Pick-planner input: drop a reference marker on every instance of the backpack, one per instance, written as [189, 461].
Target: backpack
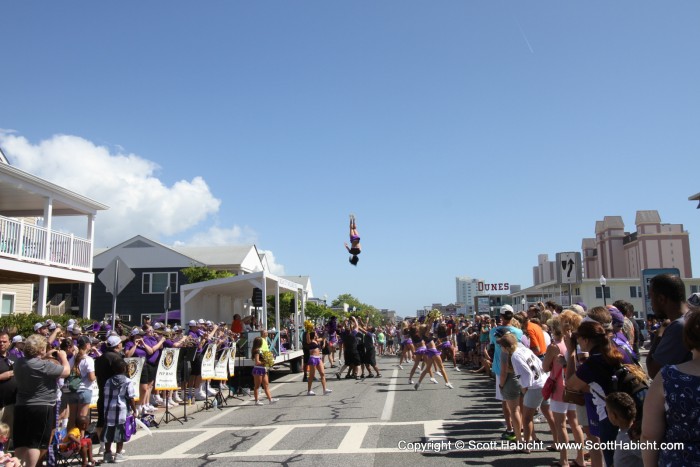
[623, 380]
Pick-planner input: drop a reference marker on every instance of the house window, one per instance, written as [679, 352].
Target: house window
[157, 282]
[635, 291]
[8, 304]
[599, 292]
[694, 289]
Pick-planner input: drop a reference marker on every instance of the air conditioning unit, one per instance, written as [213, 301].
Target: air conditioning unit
[125, 318]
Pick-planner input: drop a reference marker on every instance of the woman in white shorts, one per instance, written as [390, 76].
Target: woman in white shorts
[555, 364]
[528, 370]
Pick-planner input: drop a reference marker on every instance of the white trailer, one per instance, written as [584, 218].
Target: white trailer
[219, 299]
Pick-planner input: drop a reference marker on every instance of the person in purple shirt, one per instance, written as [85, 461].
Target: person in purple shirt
[618, 337]
[137, 347]
[17, 349]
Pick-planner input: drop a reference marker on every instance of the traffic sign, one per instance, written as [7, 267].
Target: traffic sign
[568, 267]
[116, 275]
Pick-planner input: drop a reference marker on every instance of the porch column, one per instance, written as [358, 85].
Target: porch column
[87, 299]
[41, 299]
[91, 236]
[48, 215]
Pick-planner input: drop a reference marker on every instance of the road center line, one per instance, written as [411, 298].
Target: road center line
[391, 394]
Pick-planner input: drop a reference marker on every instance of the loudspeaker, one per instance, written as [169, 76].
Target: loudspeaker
[257, 297]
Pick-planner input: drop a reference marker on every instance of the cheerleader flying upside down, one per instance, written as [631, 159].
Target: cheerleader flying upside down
[354, 248]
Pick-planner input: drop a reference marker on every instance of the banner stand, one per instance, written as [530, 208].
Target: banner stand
[188, 356]
[168, 416]
[166, 379]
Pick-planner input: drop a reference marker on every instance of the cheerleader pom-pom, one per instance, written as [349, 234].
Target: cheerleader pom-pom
[308, 325]
[268, 359]
[434, 315]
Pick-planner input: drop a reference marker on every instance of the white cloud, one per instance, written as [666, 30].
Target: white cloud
[217, 236]
[275, 268]
[139, 203]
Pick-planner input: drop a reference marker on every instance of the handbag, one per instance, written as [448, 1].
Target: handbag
[73, 380]
[550, 385]
[573, 397]
[129, 427]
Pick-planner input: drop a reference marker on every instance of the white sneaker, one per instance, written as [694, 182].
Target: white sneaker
[158, 399]
[433, 380]
[259, 403]
[211, 391]
[176, 397]
[120, 457]
[200, 396]
[438, 373]
[449, 385]
[410, 381]
[457, 368]
[310, 393]
[172, 403]
[400, 367]
[246, 391]
[273, 400]
[101, 451]
[327, 391]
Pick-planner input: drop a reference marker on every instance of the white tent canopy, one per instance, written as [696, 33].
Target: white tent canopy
[219, 299]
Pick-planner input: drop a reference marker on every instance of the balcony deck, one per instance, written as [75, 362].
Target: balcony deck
[26, 242]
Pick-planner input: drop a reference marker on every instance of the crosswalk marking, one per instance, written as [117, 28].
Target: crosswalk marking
[269, 441]
[351, 442]
[353, 438]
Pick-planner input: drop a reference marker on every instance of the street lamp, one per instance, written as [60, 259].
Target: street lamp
[603, 281]
[523, 302]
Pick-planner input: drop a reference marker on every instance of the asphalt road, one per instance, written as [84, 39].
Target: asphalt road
[369, 422]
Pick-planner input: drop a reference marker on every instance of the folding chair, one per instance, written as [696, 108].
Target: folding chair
[61, 455]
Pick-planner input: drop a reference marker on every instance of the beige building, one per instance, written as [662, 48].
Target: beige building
[33, 254]
[614, 253]
[619, 256]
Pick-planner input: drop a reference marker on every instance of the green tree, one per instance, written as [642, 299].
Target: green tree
[362, 310]
[202, 273]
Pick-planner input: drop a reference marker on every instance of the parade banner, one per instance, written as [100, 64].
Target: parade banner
[232, 360]
[134, 367]
[208, 362]
[166, 375]
[95, 394]
[221, 367]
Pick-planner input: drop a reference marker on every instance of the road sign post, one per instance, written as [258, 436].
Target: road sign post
[115, 277]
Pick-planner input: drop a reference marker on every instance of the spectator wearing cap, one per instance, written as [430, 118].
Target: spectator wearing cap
[37, 384]
[104, 371]
[618, 337]
[506, 315]
[41, 328]
[8, 386]
[17, 349]
[146, 320]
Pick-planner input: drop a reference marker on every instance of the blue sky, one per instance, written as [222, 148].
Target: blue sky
[468, 137]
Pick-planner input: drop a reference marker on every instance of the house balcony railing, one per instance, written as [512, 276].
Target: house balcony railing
[27, 242]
